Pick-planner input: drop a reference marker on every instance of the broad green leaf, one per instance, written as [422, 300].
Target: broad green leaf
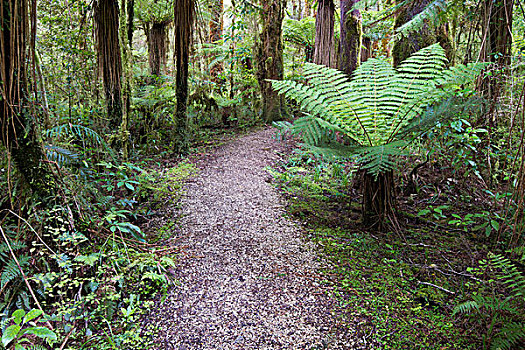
[41, 332]
[31, 315]
[9, 334]
[18, 315]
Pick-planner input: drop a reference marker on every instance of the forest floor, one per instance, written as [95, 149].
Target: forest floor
[247, 277]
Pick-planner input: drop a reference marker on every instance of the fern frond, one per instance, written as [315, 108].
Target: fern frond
[511, 334]
[11, 271]
[61, 155]
[466, 307]
[4, 249]
[378, 108]
[86, 135]
[430, 13]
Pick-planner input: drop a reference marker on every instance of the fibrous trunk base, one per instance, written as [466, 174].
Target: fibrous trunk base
[378, 199]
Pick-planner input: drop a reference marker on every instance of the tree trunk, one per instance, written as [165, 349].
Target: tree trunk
[324, 52]
[18, 131]
[351, 33]
[106, 16]
[131, 19]
[216, 28]
[157, 58]
[496, 45]
[378, 199]
[269, 56]
[366, 49]
[184, 21]
[407, 45]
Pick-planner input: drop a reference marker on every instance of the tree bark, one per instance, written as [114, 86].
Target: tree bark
[184, 22]
[269, 55]
[496, 44]
[350, 41]
[324, 52]
[378, 199]
[157, 47]
[414, 42]
[106, 16]
[18, 130]
[216, 29]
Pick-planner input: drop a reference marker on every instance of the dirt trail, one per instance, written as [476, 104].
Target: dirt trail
[249, 280]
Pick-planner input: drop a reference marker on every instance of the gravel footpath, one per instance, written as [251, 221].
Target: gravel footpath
[249, 279]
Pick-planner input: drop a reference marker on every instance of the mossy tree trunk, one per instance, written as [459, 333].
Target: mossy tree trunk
[425, 36]
[269, 57]
[351, 34]
[184, 22]
[18, 129]
[156, 34]
[378, 199]
[106, 16]
[216, 29]
[324, 52]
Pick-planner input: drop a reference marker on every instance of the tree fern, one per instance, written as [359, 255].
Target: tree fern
[87, 136]
[373, 110]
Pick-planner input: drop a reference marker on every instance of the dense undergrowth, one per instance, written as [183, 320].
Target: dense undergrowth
[432, 282]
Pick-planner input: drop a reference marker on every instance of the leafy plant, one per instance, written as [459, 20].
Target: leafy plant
[504, 315]
[25, 325]
[375, 115]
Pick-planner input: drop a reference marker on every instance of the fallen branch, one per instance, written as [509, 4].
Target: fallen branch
[437, 287]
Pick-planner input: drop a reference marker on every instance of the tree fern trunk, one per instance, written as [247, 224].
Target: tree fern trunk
[378, 199]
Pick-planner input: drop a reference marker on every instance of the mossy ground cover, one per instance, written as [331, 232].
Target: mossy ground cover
[398, 288]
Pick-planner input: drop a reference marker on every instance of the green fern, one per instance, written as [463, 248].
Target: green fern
[11, 271]
[300, 33]
[374, 111]
[508, 310]
[430, 13]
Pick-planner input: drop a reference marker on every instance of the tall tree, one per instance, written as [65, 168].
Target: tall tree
[269, 56]
[184, 21]
[496, 42]
[351, 34]
[106, 15]
[324, 52]
[216, 28]
[18, 130]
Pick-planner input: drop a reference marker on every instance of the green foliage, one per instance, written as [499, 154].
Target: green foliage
[24, 325]
[300, 33]
[503, 314]
[378, 112]
[430, 14]
[154, 11]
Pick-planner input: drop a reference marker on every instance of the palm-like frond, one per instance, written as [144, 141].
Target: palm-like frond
[430, 13]
[379, 103]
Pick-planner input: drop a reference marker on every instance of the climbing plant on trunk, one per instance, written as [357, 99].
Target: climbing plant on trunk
[374, 116]
[269, 57]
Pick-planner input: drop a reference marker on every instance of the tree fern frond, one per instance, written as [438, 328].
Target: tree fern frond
[4, 249]
[430, 13]
[379, 106]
